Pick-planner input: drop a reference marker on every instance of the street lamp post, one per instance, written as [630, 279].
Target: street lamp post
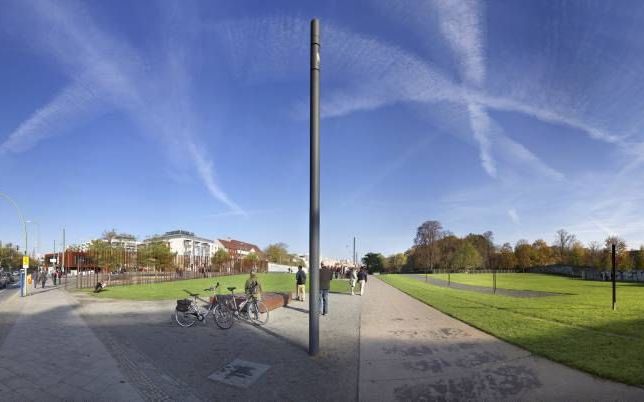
[23, 271]
[37, 237]
[314, 206]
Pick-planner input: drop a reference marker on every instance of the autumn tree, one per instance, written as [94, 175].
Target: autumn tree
[524, 253]
[563, 243]
[594, 254]
[447, 247]
[639, 260]
[427, 236]
[277, 253]
[506, 258]
[395, 262]
[577, 254]
[107, 256]
[466, 256]
[542, 253]
[156, 254]
[622, 256]
[220, 258]
[484, 245]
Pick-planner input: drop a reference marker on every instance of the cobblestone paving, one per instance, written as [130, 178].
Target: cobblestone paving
[51, 354]
[168, 362]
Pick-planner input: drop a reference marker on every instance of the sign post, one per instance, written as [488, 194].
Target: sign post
[23, 275]
[613, 278]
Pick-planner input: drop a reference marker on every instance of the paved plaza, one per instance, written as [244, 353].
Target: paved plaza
[384, 346]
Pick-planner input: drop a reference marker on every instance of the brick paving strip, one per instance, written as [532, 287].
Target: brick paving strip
[410, 351]
[51, 354]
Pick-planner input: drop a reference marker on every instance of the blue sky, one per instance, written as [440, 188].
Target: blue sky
[516, 117]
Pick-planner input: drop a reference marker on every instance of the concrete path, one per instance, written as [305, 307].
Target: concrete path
[165, 361]
[410, 351]
[50, 354]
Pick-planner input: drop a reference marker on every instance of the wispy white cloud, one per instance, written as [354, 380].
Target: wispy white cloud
[363, 73]
[461, 25]
[480, 123]
[72, 105]
[514, 216]
[106, 73]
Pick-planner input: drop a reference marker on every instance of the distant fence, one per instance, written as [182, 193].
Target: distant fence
[590, 273]
[89, 278]
[585, 273]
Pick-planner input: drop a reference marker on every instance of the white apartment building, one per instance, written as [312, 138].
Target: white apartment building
[193, 252]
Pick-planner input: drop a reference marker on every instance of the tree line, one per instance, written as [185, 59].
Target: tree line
[151, 255]
[437, 248]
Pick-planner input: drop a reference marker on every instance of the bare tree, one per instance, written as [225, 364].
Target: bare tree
[594, 255]
[109, 235]
[427, 236]
[564, 242]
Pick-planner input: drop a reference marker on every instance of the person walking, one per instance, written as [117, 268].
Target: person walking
[54, 275]
[362, 280]
[43, 278]
[300, 280]
[326, 275]
[34, 278]
[353, 278]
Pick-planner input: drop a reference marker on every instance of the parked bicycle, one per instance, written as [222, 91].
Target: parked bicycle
[251, 309]
[188, 312]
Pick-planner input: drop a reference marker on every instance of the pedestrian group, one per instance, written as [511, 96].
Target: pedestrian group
[326, 275]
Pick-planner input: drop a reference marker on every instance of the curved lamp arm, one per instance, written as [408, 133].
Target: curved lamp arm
[22, 219]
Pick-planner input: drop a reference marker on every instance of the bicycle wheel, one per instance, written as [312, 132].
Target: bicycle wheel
[185, 318]
[258, 313]
[223, 316]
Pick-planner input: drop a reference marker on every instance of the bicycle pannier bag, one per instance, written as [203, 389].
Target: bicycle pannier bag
[183, 305]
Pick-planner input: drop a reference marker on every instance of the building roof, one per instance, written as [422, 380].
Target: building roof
[177, 234]
[238, 245]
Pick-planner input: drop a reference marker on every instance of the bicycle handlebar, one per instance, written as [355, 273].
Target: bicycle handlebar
[212, 288]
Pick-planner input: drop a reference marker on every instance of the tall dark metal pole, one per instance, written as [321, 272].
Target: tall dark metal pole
[314, 211]
[354, 252]
[613, 277]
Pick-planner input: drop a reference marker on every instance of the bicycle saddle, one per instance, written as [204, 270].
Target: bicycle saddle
[231, 288]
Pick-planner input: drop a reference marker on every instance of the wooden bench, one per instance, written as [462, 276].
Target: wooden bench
[270, 299]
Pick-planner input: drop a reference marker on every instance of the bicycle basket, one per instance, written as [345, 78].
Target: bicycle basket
[183, 305]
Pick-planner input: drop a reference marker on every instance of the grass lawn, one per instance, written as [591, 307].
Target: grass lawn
[578, 329]
[274, 282]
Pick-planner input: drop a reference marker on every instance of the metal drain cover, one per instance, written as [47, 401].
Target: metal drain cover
[239, 373]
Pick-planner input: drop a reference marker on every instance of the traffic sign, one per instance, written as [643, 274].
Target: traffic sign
[25, 261]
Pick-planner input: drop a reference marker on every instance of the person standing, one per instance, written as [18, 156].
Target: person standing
[353, 278]
[300, 280]
[326, 275]
[252, 287]
[362, 280]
